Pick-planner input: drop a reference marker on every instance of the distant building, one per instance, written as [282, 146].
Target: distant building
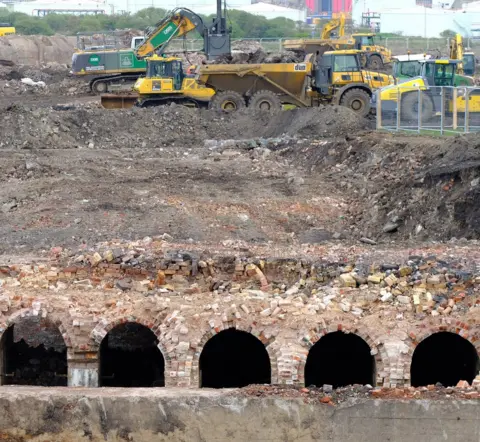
[41, 8]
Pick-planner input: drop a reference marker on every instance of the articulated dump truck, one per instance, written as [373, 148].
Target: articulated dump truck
[335, 77]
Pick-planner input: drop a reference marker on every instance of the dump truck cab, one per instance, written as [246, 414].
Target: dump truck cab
[376, 55]
[339, 76]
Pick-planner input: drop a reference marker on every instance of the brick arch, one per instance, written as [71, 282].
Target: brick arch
[382, 363]
[252, 328]
[104, 326]
[462, 329]
[43, 314]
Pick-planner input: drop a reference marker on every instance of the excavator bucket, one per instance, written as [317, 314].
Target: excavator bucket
[118, 101]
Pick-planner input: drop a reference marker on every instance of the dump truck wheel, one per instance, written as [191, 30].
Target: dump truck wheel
[265, 101]
[375, 62]
[409, 110]
[358, 100]
[228, 101]
[99, 87]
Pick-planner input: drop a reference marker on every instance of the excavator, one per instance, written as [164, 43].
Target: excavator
[376, 56]
[467, 59]
[116, 69]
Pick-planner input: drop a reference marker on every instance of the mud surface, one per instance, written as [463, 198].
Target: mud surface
[75, 174]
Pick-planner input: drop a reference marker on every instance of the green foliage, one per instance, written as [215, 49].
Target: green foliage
[244, 25]
[448, 33]
[32, 26]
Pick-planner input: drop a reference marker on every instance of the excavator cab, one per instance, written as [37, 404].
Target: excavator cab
[469, 63]
[166, 73]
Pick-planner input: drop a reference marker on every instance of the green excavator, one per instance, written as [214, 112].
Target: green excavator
[112, 68]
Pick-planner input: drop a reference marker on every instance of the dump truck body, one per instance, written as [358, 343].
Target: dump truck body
[287, 80]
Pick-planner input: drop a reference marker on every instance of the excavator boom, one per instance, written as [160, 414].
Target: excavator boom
[176, 23]
[336, 23]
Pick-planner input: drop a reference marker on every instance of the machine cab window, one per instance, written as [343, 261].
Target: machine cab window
[365, 40]
[440, 74]
[345, 63]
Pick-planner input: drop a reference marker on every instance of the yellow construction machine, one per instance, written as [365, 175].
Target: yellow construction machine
[375, 56]
[467, 59]
[434, 72]
[165, 82]
[6, 29]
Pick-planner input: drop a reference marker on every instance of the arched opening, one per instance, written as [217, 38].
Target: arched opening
[129, 357]
[34, 353]
[340, 359]
[233, 359]
[446, 358]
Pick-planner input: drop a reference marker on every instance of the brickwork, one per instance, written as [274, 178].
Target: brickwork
[288, 304]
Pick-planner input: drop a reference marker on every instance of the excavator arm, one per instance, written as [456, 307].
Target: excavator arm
[336, 23]
[176, 23]
[456, 51]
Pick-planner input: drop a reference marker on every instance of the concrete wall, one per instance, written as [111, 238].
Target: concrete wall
[140, 415]
[36, 49]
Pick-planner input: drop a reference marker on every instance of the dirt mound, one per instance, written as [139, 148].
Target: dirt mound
[403, 187]
[85, 125]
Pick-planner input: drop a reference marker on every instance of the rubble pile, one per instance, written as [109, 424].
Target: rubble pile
[47, 80]
[328, 396]
[422, 285]
[89, 126]
[410, 188]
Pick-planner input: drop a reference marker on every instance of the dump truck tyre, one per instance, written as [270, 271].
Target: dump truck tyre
[228, 101]
[357, 100]
[409, 110]
[375, 62]
[265, 101]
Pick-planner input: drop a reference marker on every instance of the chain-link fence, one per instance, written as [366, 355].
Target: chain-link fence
[398, 45]
[436, 110]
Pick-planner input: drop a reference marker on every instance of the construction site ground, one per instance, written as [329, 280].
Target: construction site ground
[74, 174]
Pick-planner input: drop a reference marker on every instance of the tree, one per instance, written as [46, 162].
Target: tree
[448, 33]
[32, 26]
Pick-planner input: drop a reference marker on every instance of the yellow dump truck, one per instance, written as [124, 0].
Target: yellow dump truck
[375, 55]
[335, 77]
[6, 29]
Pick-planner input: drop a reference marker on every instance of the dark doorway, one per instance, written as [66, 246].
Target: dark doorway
[34, 353]
[446, 358]
[233, 359]
[129, 357]
[340, 359]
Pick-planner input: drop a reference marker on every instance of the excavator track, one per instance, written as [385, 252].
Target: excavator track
[111, 83]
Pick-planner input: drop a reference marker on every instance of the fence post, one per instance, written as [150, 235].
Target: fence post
[408, 43]
[428, 44]
[399, 106]
[442, 109]
[420, 107]
[454, 109]
[280, 45]
[379, 109]
[467, 110]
